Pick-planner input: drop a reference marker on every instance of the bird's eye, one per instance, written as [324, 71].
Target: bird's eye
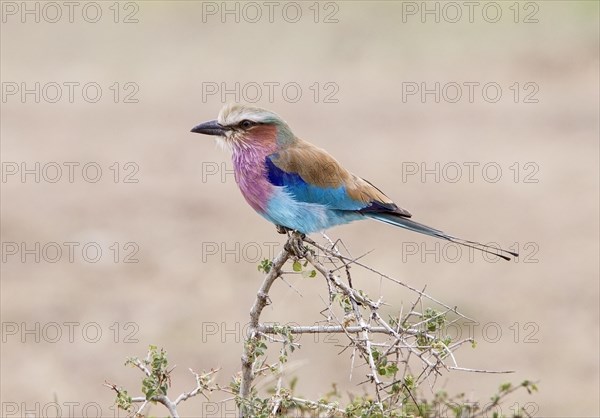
[245, 124]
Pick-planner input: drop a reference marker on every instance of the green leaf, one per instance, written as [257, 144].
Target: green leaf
[149, 393]
[297, 266]
[265, 266]
[392, 368]
[309, 274]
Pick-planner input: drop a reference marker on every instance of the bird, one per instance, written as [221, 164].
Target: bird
[300, 187]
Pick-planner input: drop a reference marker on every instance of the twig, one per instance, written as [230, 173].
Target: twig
[465, 369]
[253, 329]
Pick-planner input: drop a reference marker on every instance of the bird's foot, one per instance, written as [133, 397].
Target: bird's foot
[295, 244]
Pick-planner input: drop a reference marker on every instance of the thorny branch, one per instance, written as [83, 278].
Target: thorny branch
[410, 339]
[262, 299]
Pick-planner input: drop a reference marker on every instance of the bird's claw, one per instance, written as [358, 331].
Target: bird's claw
[295, 244]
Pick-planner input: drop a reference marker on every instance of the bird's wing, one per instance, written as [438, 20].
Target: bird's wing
[311, 175]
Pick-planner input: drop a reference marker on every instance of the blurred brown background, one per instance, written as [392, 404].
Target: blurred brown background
[198, 242]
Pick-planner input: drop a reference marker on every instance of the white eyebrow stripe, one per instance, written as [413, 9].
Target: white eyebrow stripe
[233, 114]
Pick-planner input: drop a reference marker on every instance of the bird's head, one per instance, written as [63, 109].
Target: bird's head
[240, 126]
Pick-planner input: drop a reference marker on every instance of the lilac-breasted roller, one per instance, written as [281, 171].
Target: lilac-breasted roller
[299, 186]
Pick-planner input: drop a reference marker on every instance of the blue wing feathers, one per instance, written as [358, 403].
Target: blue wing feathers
[331, 197]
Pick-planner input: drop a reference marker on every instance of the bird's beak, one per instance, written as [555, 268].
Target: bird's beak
[212, 127]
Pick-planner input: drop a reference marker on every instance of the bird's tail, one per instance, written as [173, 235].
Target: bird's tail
[404, 222]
